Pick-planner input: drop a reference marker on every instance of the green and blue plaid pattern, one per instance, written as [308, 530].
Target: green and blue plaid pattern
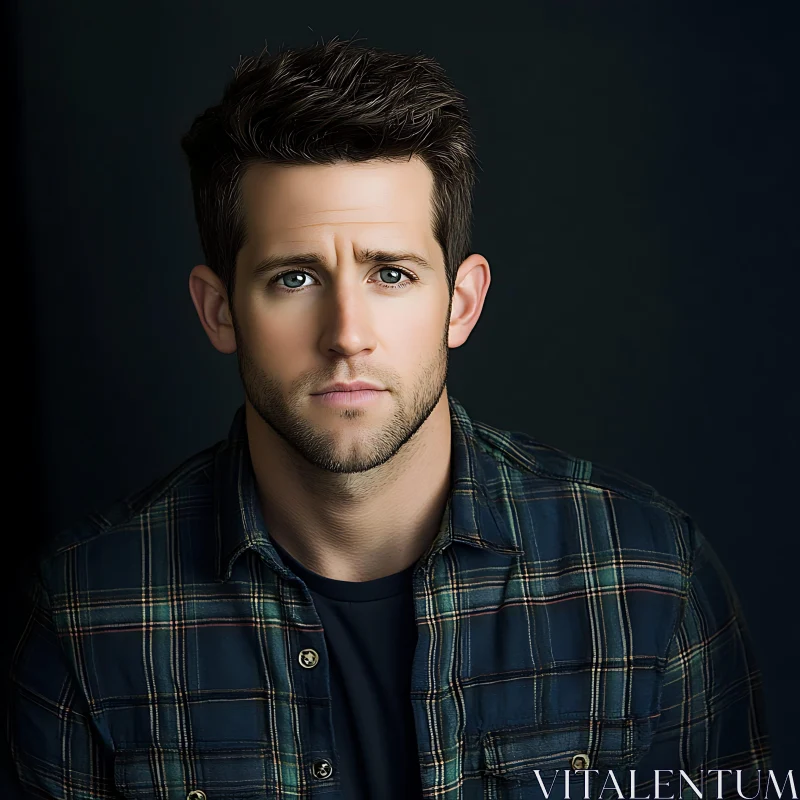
[567, 615]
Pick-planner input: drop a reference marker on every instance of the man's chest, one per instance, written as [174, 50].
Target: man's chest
[517, 667]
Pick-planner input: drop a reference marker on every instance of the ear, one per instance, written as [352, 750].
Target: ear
[210, 299]
[472, 283]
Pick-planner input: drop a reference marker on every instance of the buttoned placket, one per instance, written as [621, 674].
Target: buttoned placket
[311, 678]
[311, 675]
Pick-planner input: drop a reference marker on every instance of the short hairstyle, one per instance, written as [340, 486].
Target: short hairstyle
[323, 104]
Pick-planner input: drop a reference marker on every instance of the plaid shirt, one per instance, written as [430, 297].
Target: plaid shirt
[568, 617]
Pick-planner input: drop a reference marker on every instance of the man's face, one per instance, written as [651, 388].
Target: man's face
[341, 280]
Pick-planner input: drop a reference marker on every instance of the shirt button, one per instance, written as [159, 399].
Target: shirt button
[580, 761]
[308, 658]
[196, 794]
[322, 769]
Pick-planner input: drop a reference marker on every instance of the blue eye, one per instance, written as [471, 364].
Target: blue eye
[292, 276]
[392, 270]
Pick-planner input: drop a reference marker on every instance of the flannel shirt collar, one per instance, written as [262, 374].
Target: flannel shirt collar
[470, 516]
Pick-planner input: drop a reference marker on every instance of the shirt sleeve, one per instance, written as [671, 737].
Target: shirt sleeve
[712, 704]
[55, 745]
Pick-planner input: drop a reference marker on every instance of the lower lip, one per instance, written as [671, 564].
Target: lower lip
[358, 398]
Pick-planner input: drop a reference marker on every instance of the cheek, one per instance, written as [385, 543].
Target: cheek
[276, 341]
[418, 334]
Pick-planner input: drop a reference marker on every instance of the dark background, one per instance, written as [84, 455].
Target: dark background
[637, 204]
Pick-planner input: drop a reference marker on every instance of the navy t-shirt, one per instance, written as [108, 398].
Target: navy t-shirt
[370, 634]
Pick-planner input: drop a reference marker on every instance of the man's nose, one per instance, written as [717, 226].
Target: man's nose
[347, 318]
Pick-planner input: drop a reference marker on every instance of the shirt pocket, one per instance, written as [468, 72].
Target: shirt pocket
[553, 761]
[173, 773]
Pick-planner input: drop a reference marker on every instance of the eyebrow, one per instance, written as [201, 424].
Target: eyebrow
[365, 256]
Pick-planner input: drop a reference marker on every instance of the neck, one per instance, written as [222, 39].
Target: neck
[354, 526]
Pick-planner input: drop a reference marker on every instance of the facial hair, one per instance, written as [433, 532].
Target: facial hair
[317, 445]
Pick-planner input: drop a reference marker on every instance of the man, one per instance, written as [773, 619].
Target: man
[362, 592]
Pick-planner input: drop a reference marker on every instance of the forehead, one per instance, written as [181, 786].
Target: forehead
[308, 201]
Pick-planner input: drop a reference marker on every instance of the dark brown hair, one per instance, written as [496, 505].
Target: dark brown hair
[330, 102]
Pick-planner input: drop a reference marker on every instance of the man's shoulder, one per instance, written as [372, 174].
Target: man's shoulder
[159, 502]
[525, 454]
[614, 509]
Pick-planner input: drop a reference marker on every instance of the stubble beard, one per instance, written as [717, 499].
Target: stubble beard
[319, 446]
